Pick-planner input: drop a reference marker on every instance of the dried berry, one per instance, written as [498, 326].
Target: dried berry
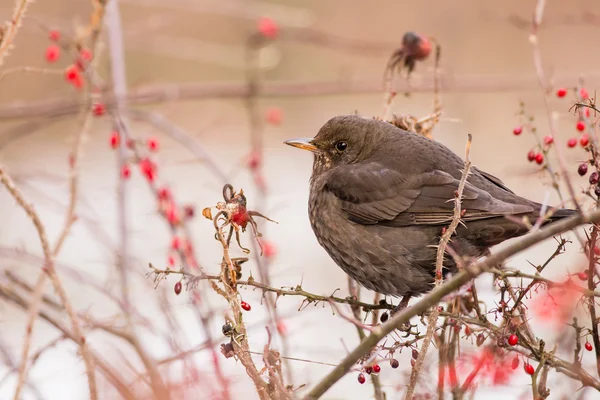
[227, 329]
[368, 370]
[384, 317]
[480, 339]
[394, 363]
[597, 191]
[594, 178]
[178, 287]
[415, 354]
[361, 378]
[583, 169]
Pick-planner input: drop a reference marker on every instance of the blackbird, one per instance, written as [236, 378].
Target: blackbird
[380, 197]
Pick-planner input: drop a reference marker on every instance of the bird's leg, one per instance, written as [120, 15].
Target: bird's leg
[401, 306]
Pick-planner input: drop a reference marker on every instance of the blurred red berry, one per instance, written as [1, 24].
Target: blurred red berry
[148, 168]
[513, 340]
[583, 93]
[54, 35]
[177, 288]
[587, 112]
[282, 328]
[189, 211]
[515, 362]
[114, 139]
[584, 140]
[86, 54]
[98, 109]
[152, 144]
[164, 193]
[176, 243]
[245, 306]
[268, 248]
[548, 140]
[572, 142]
[539, 158]
[130, 143]
[172, 214]
[531, 156]
[588, 346]
[376, 368]
[394, 363]
[52, 53]
[73, 76]
[125, 171]
[361, 378]
[268, 28]
[274, 116]
[518, 130]
[415, 354]
[529, 369]
[582, 169]
[583, 276]
[171, 261]
[254, 160]
[562, 92]
[580, 126]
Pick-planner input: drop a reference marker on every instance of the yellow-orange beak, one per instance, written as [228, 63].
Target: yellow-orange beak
[304, 144]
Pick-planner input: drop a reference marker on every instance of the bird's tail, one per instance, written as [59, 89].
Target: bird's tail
[563, 213]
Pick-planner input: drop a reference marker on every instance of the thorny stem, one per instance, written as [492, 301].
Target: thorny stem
[591, 300]
[8, 32]
[438, 272]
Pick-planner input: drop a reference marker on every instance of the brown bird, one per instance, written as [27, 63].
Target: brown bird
[380, 196]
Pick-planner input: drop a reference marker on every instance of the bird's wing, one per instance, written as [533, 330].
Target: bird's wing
[371, 193]
[492, 179]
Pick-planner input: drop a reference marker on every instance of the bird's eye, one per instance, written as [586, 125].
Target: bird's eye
[341, 146]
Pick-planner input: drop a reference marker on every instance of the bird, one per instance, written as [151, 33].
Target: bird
[380, 198]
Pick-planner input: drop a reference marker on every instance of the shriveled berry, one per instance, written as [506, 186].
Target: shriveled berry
[245, 306]
[415, 354]
[394, 363]
[52, 53]
[562, 92]
[580, 126]
[594, 178]
[513, 340]
[361, 378]
[584, 140]
[98, 109]
[114, 139]
[583, 275]
[515, 362]
[152, 144]
[582, 169]
[125, 171]
[467, 330]
[548, 140]
[572, 142]
[518, 130]
[480, 339]
[412, 362]
[177, 288]
[54, 35]
[531, 156]
[588, 346]
[539, 158]
[384, 317]
[268, 28]
[529, 369]
[376, 369]
[368, 370]
[227, 329]
[597, 190]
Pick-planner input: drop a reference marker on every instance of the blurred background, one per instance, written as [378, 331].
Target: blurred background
[186, 63]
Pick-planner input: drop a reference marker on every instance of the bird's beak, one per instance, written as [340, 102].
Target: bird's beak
[304, 144]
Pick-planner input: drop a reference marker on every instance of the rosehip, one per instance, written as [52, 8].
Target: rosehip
[513, 340]
[529, 369]
[588, 346]
[539, 158]
[245, 306]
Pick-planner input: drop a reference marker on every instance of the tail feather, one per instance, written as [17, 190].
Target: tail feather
[563, 213]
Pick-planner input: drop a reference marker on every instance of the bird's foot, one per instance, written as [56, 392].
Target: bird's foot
[401, 306]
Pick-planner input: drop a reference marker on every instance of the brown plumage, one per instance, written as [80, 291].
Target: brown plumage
[379, 198]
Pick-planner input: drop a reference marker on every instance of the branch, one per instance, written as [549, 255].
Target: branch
[9, 31]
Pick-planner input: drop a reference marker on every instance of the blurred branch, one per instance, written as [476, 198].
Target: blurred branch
[8, 32]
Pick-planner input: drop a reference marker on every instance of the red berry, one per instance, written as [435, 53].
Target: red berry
[281, 328]
[73, 76]
[148, 168]
[394, 363]
[361, 378]
[176, 243]
[274, 116]
[254, 160]
[587, 113]
[539, 158]
[415, 354]
[86, 54]
[98, 109]
[562, 92]
[515, 362]
[152, 144]
[531, 155]
[412, 362]
[594, 178]
[369, 370]
[572, 142]
[580, 126]
[125, 171]
[268, 28]
[584, 140]
[171, 260]
[467, 330]
[178, 288]
[130, 143]
[268, 248]
[189, 211]
[164, 193]
[588, 346]
[529, 369]
[172, 214]
[513, 340]
[583, 276]
[52, 53]
[54, 35]
[376, 368]
[114, 139]
[583, 93]
[245, 306]
[583, 169]
[480, 339]
[518, 130]
[548, 140]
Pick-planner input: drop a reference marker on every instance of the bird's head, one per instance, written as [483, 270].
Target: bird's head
[342, 140]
